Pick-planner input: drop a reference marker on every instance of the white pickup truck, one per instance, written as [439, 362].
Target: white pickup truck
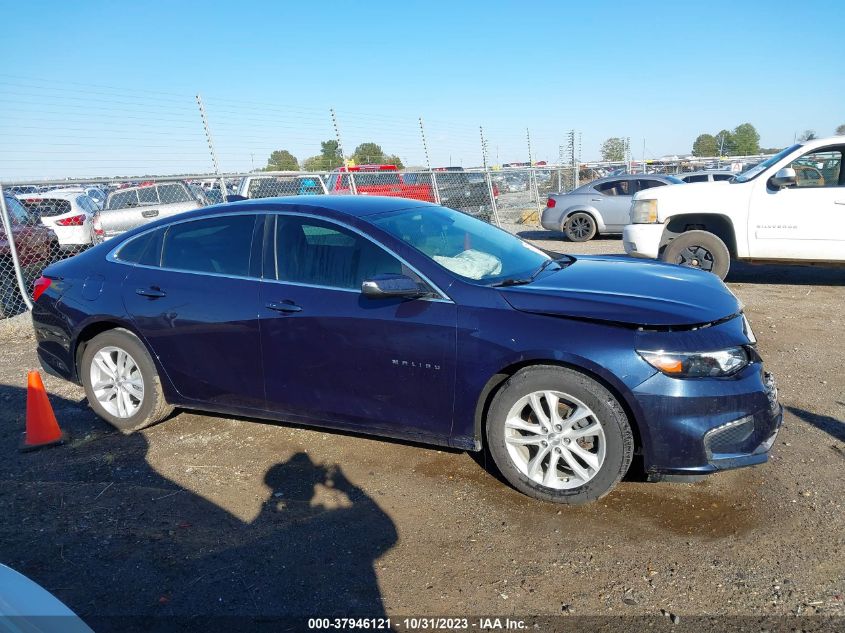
[790, 208]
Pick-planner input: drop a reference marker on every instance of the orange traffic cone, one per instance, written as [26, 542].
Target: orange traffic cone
[41, 426]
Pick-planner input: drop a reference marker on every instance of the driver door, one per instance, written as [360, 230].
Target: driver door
[332, 354]
[806, 220]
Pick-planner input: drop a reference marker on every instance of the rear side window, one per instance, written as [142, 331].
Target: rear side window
[48, 207]
[219, 245]
[147, 195]
[696, 178]
[615, 188]
[649, 184]
[172, 193]
[722, 176]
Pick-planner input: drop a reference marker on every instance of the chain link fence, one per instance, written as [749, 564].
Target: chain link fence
[43, 222]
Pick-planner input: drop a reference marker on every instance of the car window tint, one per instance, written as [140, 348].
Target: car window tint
[722, 176]
[123, 199]
[649, 184]
[86, 204]
[614, 188]
[133, 250]
[48, 207]
[375, 179]
[212, 245]
[17, 212]
[172, 193]
[820, 168]
[147, 195]
[319, 253]
[696, 178]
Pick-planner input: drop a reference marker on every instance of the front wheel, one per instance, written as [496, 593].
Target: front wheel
[121, 381]
[699, 249]
[580, 227]
[557, 435]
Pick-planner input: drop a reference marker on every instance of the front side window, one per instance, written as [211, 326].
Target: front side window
[172, 193]
[221, 245]
[820, 168]
[465, 246]
[649, 184]
[317, 253]
[148, 195]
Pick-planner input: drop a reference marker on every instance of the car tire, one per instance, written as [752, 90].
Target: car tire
[699, 249]
[112, 383]
[580, 227]
[514, 435]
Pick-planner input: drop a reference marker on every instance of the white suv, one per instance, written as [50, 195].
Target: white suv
[766, 213]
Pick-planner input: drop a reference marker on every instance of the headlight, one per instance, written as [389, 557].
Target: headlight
[644, 212]
[698, 364]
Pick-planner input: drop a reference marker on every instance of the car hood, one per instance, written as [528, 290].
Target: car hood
[619, 290]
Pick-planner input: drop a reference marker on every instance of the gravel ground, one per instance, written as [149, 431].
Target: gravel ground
[214, 515]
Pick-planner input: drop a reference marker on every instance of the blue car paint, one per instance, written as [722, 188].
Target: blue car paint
[416, 369]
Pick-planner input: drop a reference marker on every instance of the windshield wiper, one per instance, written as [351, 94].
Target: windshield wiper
[513, 281]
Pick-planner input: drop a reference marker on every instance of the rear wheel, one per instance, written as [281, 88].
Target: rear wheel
[559, 436]
[121, 381]
[699, 249]
[580, 227]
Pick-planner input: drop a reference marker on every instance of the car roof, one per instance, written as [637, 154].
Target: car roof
[704, 172]
[357, 206]
[56, 193]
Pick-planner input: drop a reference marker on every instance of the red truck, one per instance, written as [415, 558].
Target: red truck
[377, 180]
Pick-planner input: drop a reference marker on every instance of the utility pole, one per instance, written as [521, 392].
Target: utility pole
[483, 147]
[428, 164]
[208, 138]
[342, 155]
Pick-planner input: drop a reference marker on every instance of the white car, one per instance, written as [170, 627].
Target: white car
[69, 212]
[766, 213]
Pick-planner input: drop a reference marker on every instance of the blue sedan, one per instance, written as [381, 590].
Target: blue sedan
[410, 320]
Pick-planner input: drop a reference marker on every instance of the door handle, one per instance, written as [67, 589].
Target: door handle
[151, 213]
[152, 293]
[284, 306]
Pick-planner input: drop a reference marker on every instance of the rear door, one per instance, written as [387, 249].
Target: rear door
[614, 202]
[193, 295]
[332, 354]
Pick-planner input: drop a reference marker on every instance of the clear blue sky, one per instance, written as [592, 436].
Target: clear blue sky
[108, 87]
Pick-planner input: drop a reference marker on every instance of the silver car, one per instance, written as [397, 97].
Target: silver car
[133, 206]
[599, 207]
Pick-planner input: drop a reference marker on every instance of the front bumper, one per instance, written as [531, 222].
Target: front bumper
[642, 240]
[701, 426]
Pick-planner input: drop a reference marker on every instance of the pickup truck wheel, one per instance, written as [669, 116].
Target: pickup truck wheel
[580, 227]
[699, 249]
[557, 435]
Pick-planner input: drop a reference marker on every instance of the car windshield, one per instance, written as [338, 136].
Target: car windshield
[17, 212]
[753, 172]
[472, 249]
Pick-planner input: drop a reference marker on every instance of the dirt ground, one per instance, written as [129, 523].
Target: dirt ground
[218, 516]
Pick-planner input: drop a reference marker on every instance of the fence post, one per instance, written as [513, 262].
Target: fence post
[13, 250]
[352, 186]
[493, 204]
[533, 179]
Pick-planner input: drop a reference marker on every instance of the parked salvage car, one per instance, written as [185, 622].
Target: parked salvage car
[132, 206]
[69, 212]
[274, 186]
[35, 245]
[599, 207]
[407, 319]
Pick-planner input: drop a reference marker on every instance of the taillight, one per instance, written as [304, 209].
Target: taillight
[76, 220]
[495, 191]
[551, 203]
[41, 284]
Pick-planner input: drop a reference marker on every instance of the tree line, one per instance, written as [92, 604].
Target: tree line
[330, 158]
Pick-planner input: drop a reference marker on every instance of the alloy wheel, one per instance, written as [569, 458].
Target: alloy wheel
[117, 382]
[555, 440]
[580, 227]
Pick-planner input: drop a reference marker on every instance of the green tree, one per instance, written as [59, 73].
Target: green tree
[330, 156]
[841, 130]
[314, 163]
[613, 149]
[368, 153]
[725, 142]
[282, 160]
[746, 140]
[705, 145]
[393, 159]
[808, 135]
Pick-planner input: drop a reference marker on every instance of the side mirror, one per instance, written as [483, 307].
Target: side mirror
[387, 286]
[784, 177]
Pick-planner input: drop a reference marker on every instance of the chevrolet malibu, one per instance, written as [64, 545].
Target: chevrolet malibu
[405, 319]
